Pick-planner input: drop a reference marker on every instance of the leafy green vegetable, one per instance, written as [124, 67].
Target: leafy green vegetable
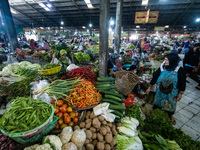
[80, 57]
[50, 66]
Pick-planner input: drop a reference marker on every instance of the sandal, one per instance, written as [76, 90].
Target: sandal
[173, 120]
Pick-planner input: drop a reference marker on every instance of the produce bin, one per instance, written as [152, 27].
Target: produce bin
[39, 135]
[51, 71]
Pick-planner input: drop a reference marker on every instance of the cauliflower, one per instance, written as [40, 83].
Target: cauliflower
[54, 141]
[44, 147]
[33, 147]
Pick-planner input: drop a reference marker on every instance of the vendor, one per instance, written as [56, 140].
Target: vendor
[63, 59]
[171, 83]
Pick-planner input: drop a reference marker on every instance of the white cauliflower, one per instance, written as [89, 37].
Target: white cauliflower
[54, 141]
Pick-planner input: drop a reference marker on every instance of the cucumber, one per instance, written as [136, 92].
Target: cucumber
[105, 88]
[110, 101]
[117, 107]
[118, 113]
[111, 92]
[103, 79]
[113, 97]
[104, 85]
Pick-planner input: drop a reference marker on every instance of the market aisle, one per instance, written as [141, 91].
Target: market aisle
[188, 111]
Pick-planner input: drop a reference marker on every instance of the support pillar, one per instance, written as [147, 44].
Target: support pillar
[103, 44]
[9, 24]
[118, 25]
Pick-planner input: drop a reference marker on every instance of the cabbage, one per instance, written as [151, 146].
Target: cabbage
[36, 66]
[25, 64]
[127, 131]
[128, 143]
[11, 68]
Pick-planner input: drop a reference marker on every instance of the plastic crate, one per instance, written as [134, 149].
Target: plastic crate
[51, 71]
[39, 135]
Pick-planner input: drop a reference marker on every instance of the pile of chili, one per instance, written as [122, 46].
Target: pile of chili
[84, 95]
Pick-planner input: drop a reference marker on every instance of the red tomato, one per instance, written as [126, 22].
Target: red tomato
[63, 109]
[75, 120]
[59, 115]
[60, 102]
[65, 115]
[72, 114]
[64, 105]
[76, 114]
[53, 101]
[56, 110]
[67, 119]
[57, 126]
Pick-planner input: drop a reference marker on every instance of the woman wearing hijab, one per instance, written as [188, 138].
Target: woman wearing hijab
[171, 82]
[63, 60]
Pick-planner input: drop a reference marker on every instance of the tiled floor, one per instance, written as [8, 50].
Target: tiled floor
[187, 113]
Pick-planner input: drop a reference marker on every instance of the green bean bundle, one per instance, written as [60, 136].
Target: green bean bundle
[25, 114]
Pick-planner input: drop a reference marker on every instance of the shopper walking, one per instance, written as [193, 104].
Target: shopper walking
[171, 83]
[191, 59]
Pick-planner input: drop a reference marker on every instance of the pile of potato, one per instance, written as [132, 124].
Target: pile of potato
[99, 133]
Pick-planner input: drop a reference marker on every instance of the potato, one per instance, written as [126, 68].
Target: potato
[82, 125]
[91, 140]
[99, 137]
[114, 131]
[103, 131]
[108, 129]
[119, 124]
[94, 142]
[87, 141]
[94, 136]
[90, 147]
[92, 115]
[107, 147]
[88, 134]
[88, 125]
[88, 120]
[93, 129]
[113, 143]
[109, 124]
[104, 122]
[88, 114]
[101, 118]
[108, 138]
[76, 127]
[98, 129]
[96, 123]
[100, 146]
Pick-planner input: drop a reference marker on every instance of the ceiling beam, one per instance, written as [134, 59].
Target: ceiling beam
[79, 9]
[25, 23]
[34, 20]
[184, 11]
[41, 14]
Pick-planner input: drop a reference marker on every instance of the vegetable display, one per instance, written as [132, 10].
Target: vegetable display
[25, 114]
[6, 143]
[50, 66]
[99, 132]
[67, 117]
[80, 57]
[84, 95]
[84, 73]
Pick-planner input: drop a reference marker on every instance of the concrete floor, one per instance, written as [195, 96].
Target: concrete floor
[187, 113]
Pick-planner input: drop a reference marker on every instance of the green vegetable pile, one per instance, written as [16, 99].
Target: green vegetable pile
[134, 112]
[25, 114]
[159, 123]
[50, 66]
[80, 57]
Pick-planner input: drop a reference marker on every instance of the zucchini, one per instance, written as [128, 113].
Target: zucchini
[117, 107]
[113, 97]
[118, 113]
[104, 79]
[110, 101]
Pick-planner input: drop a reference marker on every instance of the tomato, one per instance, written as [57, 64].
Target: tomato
[65, 115]
[57, 126]
[71, 124]
[59, 115]
[60, 121]
[60, 102]
[64, 105]
[63, 109]
[76, 114]
[69, 109]
[63, 125]
[67, 119]
[53, 101]
[72, 114]
[75, 120]
[56, 110]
